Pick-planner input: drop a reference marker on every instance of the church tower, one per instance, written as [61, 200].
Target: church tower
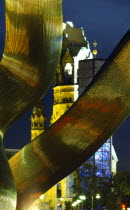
[76, 69]
[37, 120]
[75, 47]
[65, 91]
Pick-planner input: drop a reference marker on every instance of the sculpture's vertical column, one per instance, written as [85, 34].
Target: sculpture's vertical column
[31, 54]
[7, 185]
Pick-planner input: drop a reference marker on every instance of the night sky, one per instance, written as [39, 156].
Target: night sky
[105, 21]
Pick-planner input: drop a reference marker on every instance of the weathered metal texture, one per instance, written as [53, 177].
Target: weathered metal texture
[79, 132]
[8, 195]
[31, 54]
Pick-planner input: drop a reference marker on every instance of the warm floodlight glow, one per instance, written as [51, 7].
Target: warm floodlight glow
[68, 68]
[41, 196]
[82, 197]
[98, 196]
[78, 201]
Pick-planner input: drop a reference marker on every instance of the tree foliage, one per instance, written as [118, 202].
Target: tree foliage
[68, 205]
[114, 190]
[88, 183]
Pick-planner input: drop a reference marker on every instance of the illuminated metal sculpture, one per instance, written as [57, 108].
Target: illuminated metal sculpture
[79, 132]
[31, 54]
[32, 50]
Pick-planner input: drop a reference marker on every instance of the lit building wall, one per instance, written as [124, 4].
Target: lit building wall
[37, 120]
[114, 160]
[64, 97]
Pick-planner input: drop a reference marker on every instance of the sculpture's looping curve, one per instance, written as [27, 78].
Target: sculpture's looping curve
[79, 132]
[31, 54]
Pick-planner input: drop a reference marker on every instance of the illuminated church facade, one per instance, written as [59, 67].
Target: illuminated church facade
[76, 69]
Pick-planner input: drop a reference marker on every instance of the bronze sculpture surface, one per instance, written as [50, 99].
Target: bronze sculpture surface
[31, 54]
[79, 132]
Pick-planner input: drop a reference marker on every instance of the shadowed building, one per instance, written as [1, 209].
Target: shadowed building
[105, 158]
[87, 70]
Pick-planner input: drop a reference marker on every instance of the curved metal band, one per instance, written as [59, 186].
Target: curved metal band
[31, 54]
[79, 132]
[8, 195]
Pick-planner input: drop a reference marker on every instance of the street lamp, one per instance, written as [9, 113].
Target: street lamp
[92, 201]
[98, 196]
[82, 197]
[77, 202]
[74, 204]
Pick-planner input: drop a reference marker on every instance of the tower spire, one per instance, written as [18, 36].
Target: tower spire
[37, 120]
[95, 52]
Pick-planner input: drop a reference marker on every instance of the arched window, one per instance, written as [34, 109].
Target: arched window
[68, 68]
[70, 99]
[63, 100]
[58, 190]
[35, 124]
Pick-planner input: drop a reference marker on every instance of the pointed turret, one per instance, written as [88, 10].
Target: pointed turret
[37, 120]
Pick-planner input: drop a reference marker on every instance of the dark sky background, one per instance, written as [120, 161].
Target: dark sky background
[105, 21]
